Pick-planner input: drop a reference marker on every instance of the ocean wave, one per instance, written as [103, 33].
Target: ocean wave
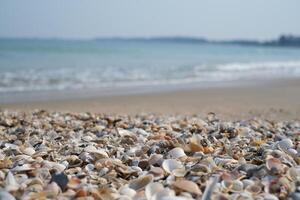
[287, 65]
[77, 78]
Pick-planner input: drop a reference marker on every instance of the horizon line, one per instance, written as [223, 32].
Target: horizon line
[141, 38]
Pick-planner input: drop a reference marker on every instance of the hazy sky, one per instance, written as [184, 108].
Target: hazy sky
[216, 19]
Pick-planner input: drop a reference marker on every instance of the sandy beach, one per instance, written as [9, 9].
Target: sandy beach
[278, 99]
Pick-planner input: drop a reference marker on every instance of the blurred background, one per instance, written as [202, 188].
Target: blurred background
[139, 46]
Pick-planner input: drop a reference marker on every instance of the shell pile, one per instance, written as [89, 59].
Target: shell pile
[47, 155]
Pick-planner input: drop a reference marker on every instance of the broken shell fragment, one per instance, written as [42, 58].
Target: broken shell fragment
[171, 164]
[188, 186]
[140, 183]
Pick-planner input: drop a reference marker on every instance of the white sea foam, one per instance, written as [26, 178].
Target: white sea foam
[34, 80]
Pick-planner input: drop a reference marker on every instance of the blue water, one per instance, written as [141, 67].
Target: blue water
[30, 65]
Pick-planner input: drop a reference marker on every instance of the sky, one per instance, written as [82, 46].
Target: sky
[213, 19]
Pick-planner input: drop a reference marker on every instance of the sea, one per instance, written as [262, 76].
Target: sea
[28, 65]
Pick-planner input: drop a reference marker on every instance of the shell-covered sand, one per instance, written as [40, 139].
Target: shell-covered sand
[46, 155]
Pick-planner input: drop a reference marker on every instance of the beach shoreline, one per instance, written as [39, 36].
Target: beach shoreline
[276, 99]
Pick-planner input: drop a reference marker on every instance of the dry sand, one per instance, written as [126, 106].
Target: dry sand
[272, 100]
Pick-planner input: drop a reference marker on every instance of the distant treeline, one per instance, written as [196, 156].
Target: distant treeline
[282, 41]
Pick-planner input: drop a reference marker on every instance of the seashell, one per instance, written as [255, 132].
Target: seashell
[22, 168]
[253, 189]
[247, 182]
[177, 153]
[126, 191]
[208, 150]
[142, 132]
[143, 164]
[170, 164]
[157, 172]
[267, 196]
[6, 195]
[285, 144]
[53, 165]
[170, 179]
[65, 163]
[61, 180]
[237, 186]
[188, 186]
[98, 153]
[152, 189]
[74, 183]
[74, 161]
[124, 198]
[244, 131]
[103, 171]
[35, 188]
[210, 187]
[181, 172]
[200, 168]
[108, 193]
[87, 138]
[174, 198]
[89, 167]
[53, 188]
[140, 183]
[28, 151]
[274, 164]
[10, 182]
[292, 151]
[194, 147]
[165, 193]
[293, 173]
[155, 159]
[81, 193]
[6, 163]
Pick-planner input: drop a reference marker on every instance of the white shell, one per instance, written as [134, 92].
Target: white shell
[100, 153]
[10, 182]
[171, 164]
[126, 191]
[23, 168]
[285, 144]
[152, 189]
[28, 151]
[166, 193]
[176, 153]
[6, 195]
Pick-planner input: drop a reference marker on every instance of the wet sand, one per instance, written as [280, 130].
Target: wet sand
[278, 99]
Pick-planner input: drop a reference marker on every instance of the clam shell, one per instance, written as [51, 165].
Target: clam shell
[140, 183]
[152, 189]
[188, 186]
[181, 172]
[177, 153]
[171, 164]
[233, 186]
[126, 191]
[285, 144]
